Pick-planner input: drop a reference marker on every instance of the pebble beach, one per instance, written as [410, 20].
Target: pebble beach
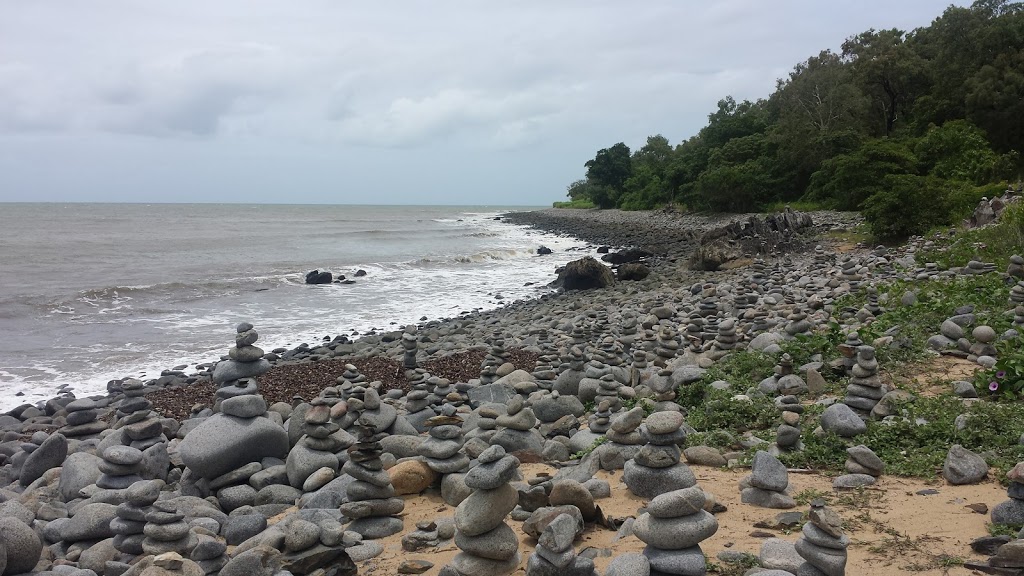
[546, 436]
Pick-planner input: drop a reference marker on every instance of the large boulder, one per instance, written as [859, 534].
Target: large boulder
[22, 545]
[715, 254]
[50, 454]
[633, 271]
[223, 443]
[318, 277]
[629, 255]
[80, 470]
[584, 274]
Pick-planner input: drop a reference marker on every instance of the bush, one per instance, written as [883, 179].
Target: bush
[908, 205]
[578, 204]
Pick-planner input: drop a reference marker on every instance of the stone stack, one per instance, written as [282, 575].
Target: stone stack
[797, 323]
[787, 436]
[488, 546]
[624, 439]
[486, 424]
[442, 450]
[371, 498]
[245, 360]
[120, 468]
[865, 388]
[516, 428]
[639, 360]
[554, 554]
[608, 391]
[1011, 511]
[673, 526]
[1015, 269]
[628, 330]
[166, 531]
[418, 407]
[496, 356]
[317, 448]
[849, 272]
[409, 347]
[872, 307]
[1016, 294]
[862, 460]
[600, 420]
[240, 433]
[976, 267]
[725, 340]
[849, 351]
[81, 419]
[668, 347]
[822, 543]
[656, 468]
[544, 371]
[694, 332]
[129, 525]
[571, 372]
[767, 485]
[1018, 316]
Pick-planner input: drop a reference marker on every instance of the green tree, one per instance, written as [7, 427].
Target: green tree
[608, 171]
[739, 176]
[890, 72]
[846, 180]
[958, 150]
[908, 204]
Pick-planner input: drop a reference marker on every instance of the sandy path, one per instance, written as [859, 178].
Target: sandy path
[893, 530]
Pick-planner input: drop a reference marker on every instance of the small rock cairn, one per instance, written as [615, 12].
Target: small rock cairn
[822, 543]
[488, 545]
[442, 450]
[130, 523]
[656, 468]
[517, 428]
[554, 554]
[673, 526]
[317, 448]
[166, 531]
[496, 356]
[768, 483]
[409, 347]
[1012, 511]
[865, 388]
[372, 502]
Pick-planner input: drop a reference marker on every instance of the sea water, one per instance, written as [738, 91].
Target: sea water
[95, 292]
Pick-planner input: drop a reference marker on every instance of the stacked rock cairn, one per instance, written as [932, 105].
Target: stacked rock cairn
[673, 526]
[317, 448]
[442, 450]
[166, 531]
[554, 554]
[488, 545]
[409, 347]
[768, 483]
[130, 523]
[865, 388]
[656, 468]
[822, 543]
[517, 428]
[371, 498]
[496, 356]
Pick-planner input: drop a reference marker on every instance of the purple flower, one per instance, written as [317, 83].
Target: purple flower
[1001, 374]
[993, 386]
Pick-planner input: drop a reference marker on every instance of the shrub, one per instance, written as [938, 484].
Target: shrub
[908, 205]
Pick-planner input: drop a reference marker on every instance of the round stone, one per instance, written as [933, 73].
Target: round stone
[664, 422]
[123, 455]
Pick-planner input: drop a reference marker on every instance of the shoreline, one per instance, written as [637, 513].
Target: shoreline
[670, 236]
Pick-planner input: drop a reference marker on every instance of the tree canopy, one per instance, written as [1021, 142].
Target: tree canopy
[940, 107]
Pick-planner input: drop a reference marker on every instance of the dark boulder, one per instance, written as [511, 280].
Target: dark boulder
[543, 250]
[360, 273]
[318, 277]
[584, 274]
[604, 249]
[630, 255]
[632, 271]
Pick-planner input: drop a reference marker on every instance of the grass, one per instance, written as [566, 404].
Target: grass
[575, 204]
[989, 244]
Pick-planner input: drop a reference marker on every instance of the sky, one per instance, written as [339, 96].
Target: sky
[415, 102]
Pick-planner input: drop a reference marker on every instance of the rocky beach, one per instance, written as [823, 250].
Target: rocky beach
[715, 394]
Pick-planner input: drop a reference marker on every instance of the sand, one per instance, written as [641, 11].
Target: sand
[893, 530]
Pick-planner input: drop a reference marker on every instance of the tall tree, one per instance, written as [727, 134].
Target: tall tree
[889, 71]
[610, 169]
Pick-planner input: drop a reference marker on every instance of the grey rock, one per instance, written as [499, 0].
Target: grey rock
[50, 454]
[842, 420]
[22, 545]
[629, 564]
[79, 470]
[768, 473]
[779, 554]
[963, 466]
[222, 443]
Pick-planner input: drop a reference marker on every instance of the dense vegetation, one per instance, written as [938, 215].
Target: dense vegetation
[923, 122]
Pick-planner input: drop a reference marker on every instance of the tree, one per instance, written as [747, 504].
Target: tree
[958, 150]
[846, 180]
[889, 71]
[609, 170]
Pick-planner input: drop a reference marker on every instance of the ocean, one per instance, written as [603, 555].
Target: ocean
[95, 292]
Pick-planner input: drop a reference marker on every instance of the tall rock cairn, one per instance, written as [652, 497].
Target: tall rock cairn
[488, 545]
[372, 502]
[865, 388]
[822, 543]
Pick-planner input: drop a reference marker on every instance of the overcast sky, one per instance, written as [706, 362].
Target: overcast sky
[426, 102]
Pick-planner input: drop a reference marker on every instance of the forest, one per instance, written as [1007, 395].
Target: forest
[910, 128]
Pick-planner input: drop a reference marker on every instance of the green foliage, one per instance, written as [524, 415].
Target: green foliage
[944, 102]
[847, 180]
[593, 446]
[1006, 379]
[989, 244]
[908, 205]
[720, 410]
[581, 204]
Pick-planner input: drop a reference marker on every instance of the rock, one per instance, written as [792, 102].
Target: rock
[50, 454]
[842, 420]
[79, 470]
[632, 271]
[22, 545]
[584, 274]
[223, 443]
[768, 473]
[411, 477]
[571, 492]
[963, 466]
